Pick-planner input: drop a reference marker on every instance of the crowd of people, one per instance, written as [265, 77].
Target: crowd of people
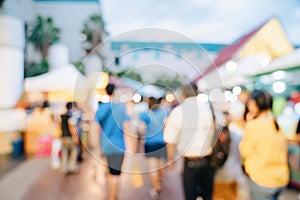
[257, 162]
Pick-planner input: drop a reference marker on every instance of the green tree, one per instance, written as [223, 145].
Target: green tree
[128, 73]
[79, 66]
[172, 82]
[93, 32]
[42, 34]
[35, 69]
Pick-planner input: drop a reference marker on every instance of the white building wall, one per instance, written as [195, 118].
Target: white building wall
[151, 64]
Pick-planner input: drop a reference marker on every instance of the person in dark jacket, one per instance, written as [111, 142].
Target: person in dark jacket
[69, 140]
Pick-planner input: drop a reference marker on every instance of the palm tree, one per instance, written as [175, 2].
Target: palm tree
[43, 34]
[93, 32]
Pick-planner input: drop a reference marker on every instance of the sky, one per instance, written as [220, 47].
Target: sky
[204, 21]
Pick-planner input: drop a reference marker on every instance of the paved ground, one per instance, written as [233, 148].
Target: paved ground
[19, 180]
[8, 162]
[90, 184]
[35, 180]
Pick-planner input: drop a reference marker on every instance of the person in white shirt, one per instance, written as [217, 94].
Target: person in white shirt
[189, 130]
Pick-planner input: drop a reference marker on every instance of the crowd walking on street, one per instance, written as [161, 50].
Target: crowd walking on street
[255, 165]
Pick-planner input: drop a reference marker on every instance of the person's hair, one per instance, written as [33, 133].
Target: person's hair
[45, 104]
[69, 105]
[263, 99]
[110, 88]
[153, 103]
[189, 90]
[159, 100]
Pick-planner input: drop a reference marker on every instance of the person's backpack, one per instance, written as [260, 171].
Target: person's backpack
[221, 142]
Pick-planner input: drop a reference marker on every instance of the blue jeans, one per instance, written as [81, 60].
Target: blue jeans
[265, 193]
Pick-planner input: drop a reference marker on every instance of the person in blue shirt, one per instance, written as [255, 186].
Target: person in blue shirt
[112, 118]
[151, 126]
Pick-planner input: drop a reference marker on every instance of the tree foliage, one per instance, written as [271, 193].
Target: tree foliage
[79, 66]
[42, 34]
[93, 31]
[35, 69]
[172, 82]
[128, 73]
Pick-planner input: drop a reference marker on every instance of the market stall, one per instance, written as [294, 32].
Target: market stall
[59, 86]
[64, 84]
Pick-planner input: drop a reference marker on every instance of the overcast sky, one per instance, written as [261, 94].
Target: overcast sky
[211, 21]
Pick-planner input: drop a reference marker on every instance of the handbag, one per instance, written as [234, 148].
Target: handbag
[221, 142]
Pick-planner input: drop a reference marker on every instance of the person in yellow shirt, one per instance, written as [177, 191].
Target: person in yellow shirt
[264, 150]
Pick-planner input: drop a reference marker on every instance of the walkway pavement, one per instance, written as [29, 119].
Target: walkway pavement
[19, 180]
[35, 180]
[8, 162]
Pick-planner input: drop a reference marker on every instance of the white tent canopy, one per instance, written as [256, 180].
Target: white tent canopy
[147, 90]
[223, 78]
[247, 67]
[284, 62]
[67, 78]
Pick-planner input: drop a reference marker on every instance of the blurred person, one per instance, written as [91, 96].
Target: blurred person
[165, 105]
[44, 120]
[288, 120]
[298, 127]
[243, 97]
[137, 109]
[190, 130]
[231, 173]
[40, 123]
[69, 140]
[151, 126]
[264, 150]
[134, 140]
[236, 111]
[77, 116]
[113, 120]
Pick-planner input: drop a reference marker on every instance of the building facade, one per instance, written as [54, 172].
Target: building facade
[155, 59]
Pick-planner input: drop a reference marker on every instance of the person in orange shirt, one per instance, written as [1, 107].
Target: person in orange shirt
[264, 150]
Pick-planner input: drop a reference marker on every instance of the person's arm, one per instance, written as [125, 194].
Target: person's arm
[126, 124]
[126, 127]
[142, 124]
[247, 144]
[171, 134]
[171, 149]
[142, 127]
